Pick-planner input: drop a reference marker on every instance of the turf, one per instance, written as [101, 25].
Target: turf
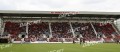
[104, 47]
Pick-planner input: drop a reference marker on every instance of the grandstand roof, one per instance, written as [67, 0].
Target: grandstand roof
[115, 15]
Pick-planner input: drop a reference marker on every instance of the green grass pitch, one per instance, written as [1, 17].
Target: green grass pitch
[104, 47]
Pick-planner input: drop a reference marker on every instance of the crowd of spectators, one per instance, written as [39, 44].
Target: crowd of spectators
[41, 31]
[83, 29]
[105, 29]
[61, 30]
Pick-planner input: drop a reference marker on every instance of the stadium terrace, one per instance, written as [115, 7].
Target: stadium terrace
[49, 27]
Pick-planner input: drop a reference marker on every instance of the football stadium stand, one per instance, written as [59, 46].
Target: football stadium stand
[58, 26]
